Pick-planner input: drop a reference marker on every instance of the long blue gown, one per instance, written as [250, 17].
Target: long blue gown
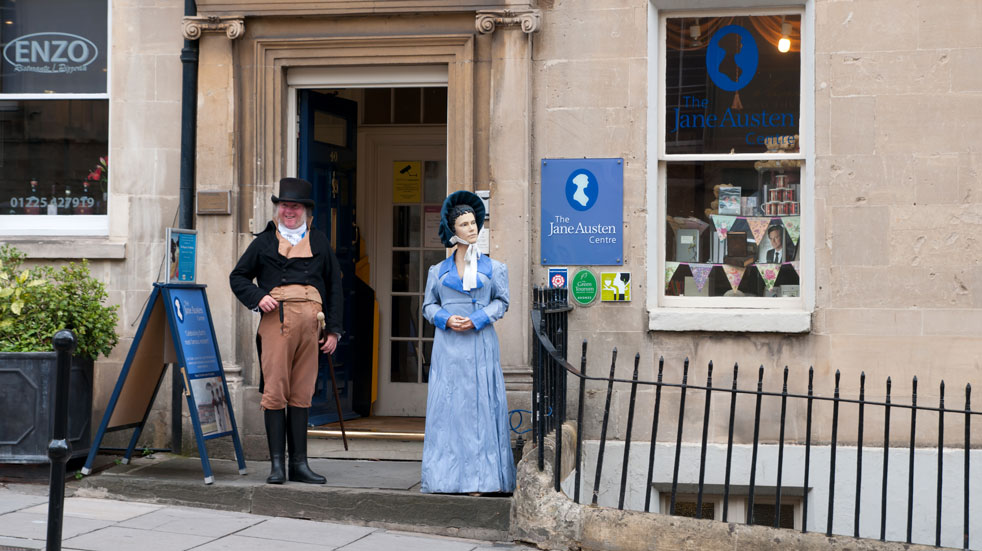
[466, 447]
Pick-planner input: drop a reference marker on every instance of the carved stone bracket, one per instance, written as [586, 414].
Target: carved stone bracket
[232, 26]
[488, 20]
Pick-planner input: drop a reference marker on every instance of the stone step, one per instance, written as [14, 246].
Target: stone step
[383, 494]
[332, 447]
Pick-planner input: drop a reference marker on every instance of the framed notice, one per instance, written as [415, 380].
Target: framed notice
[181, 255]
[407, 181]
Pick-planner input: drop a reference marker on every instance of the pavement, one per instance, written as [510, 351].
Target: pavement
[160, 502]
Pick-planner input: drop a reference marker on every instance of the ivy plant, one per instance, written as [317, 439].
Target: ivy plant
[36, 303]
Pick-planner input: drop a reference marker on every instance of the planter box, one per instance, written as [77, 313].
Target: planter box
[27, 389]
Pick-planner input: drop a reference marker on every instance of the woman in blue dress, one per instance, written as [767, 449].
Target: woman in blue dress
[466, 448]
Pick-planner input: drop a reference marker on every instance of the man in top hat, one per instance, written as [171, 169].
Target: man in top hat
[290, 274]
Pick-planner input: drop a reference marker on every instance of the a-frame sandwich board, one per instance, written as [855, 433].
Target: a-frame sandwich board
[176, 328]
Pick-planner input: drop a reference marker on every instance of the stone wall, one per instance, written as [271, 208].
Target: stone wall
[897, 199]
[550, 520]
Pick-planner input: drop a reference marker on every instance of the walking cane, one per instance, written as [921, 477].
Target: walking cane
[334, 384]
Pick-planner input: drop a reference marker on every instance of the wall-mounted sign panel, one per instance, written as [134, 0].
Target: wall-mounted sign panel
[582, 212]
[54, 47]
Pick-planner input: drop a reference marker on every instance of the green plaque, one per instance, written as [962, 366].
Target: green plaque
[583, 287]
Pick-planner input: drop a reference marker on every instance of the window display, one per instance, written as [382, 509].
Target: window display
[743, 250]
[732, 225]
[53, 155]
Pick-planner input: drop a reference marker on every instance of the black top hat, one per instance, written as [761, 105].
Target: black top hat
[296, 190]
[462, 197]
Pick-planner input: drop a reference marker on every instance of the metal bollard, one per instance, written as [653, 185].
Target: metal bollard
[59, 450]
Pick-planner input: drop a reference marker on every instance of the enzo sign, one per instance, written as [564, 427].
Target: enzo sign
[50, 52]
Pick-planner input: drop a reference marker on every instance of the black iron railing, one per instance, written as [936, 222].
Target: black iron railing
[551, 369]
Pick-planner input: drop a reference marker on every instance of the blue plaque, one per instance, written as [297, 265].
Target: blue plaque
[582, 212]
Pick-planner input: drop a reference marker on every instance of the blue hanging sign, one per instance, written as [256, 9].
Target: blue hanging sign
[582, 212]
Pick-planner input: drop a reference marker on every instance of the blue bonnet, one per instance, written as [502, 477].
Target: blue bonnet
[462, 197]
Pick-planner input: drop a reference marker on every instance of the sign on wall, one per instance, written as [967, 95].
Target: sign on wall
[582, 212]
[583, 287]
[615, 286]
[53, 46]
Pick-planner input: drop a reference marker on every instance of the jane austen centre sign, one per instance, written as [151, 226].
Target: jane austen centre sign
[582, 212]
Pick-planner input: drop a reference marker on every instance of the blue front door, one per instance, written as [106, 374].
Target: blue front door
[326, 147]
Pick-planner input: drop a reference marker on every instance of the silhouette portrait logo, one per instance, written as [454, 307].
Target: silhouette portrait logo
[582, 189]
[745, 58]
[179, 310]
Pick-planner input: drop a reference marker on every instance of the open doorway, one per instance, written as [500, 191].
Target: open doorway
[377, 156]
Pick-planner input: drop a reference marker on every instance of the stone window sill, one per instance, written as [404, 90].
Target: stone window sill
[738, 320]
[70, 248]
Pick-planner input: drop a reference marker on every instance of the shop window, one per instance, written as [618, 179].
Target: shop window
[732, 183]
[54, 117]
[423, 105]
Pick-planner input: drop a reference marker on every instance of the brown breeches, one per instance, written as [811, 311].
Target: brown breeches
[289, 355]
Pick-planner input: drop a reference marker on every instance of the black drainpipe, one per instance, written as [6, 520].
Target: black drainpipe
[189, 117]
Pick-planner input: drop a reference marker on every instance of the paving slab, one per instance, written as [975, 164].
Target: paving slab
[328, 534]
[115, 538]
[241, 543]
[198, 522]
[405, 542]
[20, 543]
[98, 509]
[35, 526]
[10, 501]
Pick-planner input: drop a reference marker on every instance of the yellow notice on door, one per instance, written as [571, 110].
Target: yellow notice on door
[407, 181]
[615, 286]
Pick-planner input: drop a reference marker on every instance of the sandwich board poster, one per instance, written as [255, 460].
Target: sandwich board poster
[176, 329]
[181, 254]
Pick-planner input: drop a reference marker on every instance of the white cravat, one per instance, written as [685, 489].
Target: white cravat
[293, 236]
[470, 263]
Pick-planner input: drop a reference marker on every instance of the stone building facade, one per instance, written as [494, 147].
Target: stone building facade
[887, 278]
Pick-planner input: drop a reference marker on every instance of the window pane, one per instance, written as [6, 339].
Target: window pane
[405, 271]
[427, 352]
[688, 509]
[378, 106]
[405, 316]
[434, 105]
[330, 129]
[406, 106]
[54, 157]
[53, 46]
[405, 226]
[764, 515]
[733, 228]
[728, 88]
[405, 365]
[434, 181]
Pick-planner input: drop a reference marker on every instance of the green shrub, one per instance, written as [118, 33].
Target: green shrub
[38, 302]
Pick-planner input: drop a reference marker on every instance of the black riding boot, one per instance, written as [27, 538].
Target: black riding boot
[276, 437]
[296, 438]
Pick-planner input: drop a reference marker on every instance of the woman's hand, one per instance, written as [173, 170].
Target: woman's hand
[268, 304]
[460, 323]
